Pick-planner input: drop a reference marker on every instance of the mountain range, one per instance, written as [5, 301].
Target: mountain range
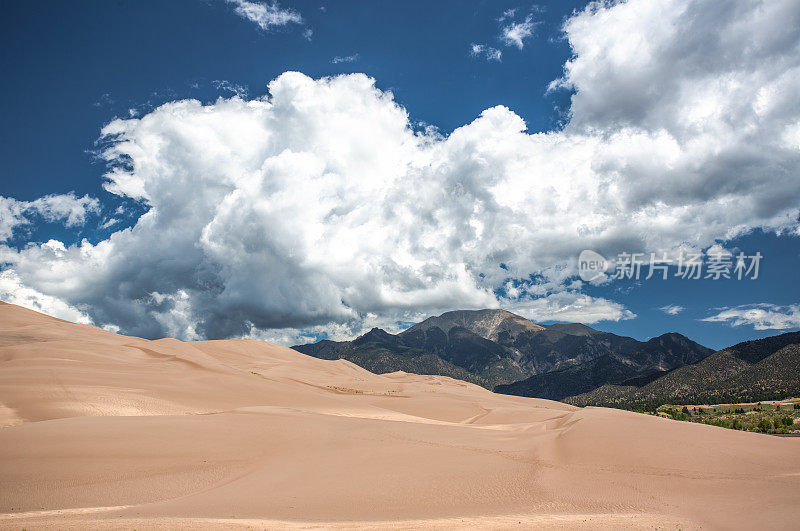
[752, 371]
[510, 354]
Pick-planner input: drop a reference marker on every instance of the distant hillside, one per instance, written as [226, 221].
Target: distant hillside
[496, 347]
[381, 352]
[752, 371]
[644, 361]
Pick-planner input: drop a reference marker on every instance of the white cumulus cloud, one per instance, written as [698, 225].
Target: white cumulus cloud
[672, 309]
[762, 316]
[265, 15]
[568, 306]
[13, 291]
[67, 208]
[515, 33]
[224, 85]
[486, 52]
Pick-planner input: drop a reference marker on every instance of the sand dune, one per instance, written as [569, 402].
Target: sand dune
[103, 430]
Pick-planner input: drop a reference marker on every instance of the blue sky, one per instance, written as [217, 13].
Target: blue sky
[82, 64]
[71, 69]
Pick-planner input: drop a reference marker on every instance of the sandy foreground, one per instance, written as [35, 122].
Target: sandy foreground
[106, 431]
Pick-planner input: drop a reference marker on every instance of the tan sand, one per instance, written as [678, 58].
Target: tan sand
[107, 431]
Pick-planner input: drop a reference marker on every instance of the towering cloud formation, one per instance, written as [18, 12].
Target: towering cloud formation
[319, 203]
